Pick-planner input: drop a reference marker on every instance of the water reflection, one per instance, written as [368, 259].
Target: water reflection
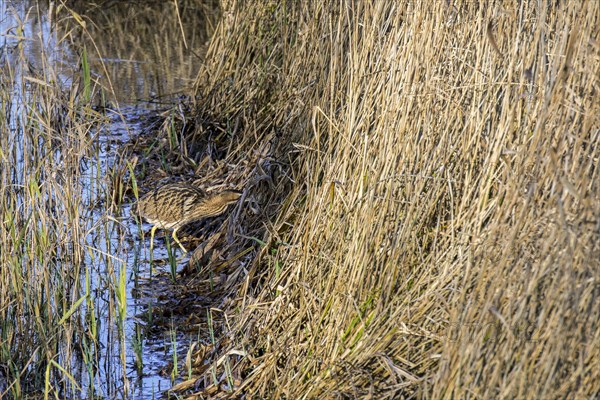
[146, 49]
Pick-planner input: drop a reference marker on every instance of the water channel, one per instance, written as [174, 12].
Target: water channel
[141, 57]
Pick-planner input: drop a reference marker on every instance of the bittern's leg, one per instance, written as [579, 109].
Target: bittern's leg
[152, 238]
[177, 240]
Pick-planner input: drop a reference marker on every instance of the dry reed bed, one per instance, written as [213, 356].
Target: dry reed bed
[438, 225]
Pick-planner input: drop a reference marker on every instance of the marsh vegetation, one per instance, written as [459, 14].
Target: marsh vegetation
[420, 217]
[80, 311]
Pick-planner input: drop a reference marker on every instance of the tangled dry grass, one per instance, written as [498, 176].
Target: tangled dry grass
[432, 229]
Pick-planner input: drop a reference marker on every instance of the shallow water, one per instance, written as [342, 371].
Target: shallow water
[141, 64]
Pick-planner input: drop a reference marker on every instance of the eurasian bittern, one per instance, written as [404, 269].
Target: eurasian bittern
[177, 204]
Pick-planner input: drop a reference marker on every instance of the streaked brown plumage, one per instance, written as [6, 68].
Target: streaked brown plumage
[177, 204]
